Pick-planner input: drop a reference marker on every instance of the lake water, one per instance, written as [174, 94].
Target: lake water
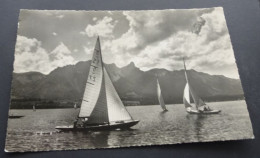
[36, 130]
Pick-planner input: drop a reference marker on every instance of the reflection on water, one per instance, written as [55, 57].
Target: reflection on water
[36, 131]
[198, 121]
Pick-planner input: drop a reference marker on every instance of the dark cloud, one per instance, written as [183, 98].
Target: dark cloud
[198, 25]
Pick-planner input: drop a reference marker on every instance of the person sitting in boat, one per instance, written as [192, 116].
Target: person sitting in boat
[75, 123]
[79, 123]
[201, 109]
[84, 122]
[207, 108]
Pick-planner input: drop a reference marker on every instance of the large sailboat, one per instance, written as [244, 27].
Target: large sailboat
[160, 97]
[101, 108]
[200, 106]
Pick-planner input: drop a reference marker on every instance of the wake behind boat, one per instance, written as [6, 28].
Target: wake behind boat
[200, 106]
[101, 108]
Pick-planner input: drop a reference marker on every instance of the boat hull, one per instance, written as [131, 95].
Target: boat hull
[203, 112]
[125, 125]
[15, 117]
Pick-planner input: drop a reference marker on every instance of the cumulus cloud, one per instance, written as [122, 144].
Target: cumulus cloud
[61, 56]
[103, 28]
[161, 39]
[30, 56]
[151, 39]
[87, 50]
[149, 27]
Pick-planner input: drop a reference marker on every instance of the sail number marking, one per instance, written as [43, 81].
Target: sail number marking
[95, 59]
[90, 83]
[92, 78]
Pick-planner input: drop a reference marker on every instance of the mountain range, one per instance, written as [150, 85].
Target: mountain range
[68, 83]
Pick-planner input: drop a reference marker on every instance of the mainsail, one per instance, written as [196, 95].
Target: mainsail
[101, 103]
[189, 90]
[93, 85]
[160, 97]
[186, 96]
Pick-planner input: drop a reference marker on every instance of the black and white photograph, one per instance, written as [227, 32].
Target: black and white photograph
[109, 79]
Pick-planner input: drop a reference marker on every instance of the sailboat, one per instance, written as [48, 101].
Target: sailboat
[101, 108]
[34, 109]
[200, 106]
[160, 97]
[75, 106]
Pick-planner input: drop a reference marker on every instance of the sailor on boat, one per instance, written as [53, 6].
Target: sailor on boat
[200, 105]
[101, 107]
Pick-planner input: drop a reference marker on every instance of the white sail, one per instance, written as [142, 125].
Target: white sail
[186, 96]
[197, 100]
[189, 90]
[116, 109]
[160, 97]
[101, 103]
[93, 85]
[99, 115]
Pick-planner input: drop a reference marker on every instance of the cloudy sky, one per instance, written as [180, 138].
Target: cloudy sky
[151, 39]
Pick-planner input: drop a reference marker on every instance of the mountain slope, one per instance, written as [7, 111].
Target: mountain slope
[68, 83]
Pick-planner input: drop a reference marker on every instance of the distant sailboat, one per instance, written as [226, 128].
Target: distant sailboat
[101, 107]
[75, 106]
[160, 97]
[34, 109]
[200, 105]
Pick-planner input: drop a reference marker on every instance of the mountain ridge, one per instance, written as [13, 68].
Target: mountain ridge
[68, 83]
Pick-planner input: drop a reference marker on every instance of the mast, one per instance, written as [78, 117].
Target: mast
[185, 71]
